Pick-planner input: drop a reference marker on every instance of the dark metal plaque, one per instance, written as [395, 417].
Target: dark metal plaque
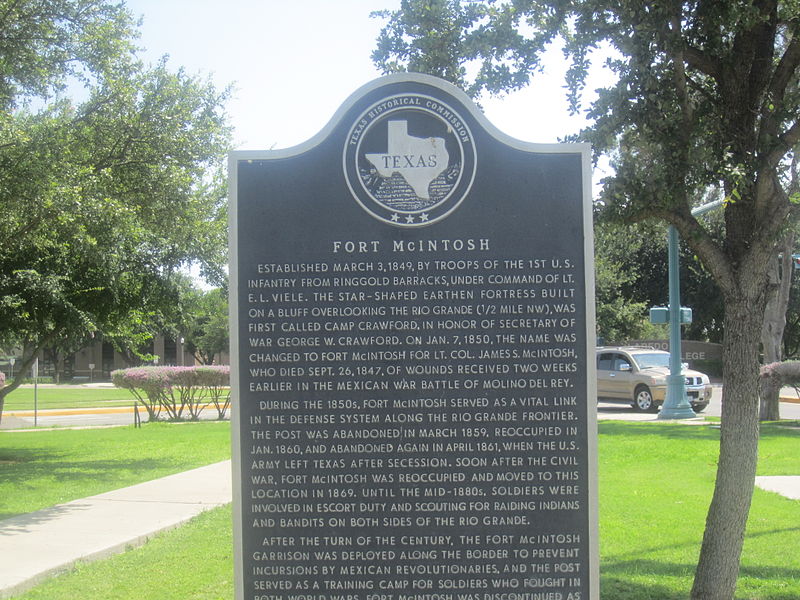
[411, 316]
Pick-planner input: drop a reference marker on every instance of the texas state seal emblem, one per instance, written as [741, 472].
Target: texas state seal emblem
[409, 160]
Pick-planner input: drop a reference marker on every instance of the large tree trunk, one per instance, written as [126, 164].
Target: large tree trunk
[770, 393]
[780, 278]
[718, 567]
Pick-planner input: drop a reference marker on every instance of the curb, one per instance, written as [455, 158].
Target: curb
[61, 412]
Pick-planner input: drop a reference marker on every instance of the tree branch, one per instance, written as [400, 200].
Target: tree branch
[698, 60]
[711, 254]
[786, 68]
[687, 111]
[694, 234]
[788, 141]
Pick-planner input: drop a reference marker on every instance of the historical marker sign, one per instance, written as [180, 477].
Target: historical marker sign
[412, 319]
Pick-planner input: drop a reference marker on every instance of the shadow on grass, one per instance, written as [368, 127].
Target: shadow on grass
[758, 572]
[667, 429]
[780, 429]
[615, 583]
[25, 468]
[659, 568]
[614, 588]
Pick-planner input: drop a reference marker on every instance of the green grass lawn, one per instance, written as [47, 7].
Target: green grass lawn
[67, 397]
[656, 482]
[43, 468]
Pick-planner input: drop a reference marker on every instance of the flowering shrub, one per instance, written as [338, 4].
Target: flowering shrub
[2, 379]
[177, 390]
[147, 384]
[181, 393]
[215, 382]
[785, 373]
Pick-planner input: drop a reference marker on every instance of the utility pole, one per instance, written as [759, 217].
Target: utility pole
[676, 404]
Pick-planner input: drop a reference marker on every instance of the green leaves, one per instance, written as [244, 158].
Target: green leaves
[475, 45]
[103, 201]
[205, 323]
[42, 44]
[690, 84]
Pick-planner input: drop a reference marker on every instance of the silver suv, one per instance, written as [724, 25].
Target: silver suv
[638, 376]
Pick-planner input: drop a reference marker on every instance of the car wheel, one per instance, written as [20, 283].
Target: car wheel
[643, 399]
[699, 407]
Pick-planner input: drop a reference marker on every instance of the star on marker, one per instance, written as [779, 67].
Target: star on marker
[409, 219]
[423, 217]
[395, 217]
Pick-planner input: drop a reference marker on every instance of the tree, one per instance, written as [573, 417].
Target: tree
[772, 332]
[706, 94]
[791, 338]
[621, 316]
[44, 45]
[775, 315]
[205, 324]
[103, 201]
[640, 252]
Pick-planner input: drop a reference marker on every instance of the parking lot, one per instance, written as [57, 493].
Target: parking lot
[612, 410]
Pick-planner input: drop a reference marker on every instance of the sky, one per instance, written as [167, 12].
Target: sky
[293, 63]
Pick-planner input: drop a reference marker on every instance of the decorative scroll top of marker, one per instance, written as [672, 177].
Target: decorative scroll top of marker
[418, 160]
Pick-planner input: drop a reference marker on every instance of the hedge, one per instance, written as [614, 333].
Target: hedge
[784, 373]
[180, 392]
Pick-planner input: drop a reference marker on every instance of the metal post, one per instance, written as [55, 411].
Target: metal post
[676, 404]
[35, 373]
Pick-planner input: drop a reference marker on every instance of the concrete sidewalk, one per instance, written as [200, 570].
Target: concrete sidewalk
[40, 544]
[785, 485]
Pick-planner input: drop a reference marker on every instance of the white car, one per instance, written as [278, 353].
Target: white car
[638, 376]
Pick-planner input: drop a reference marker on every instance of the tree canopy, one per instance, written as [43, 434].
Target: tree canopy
[45, 44]
[639, 254]
[704, 94]
[107, 197]
[205, 324]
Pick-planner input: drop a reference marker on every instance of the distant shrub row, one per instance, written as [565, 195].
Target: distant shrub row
[180, 392]
[784, 373]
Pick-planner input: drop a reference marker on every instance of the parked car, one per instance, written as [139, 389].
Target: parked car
[638, 376]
